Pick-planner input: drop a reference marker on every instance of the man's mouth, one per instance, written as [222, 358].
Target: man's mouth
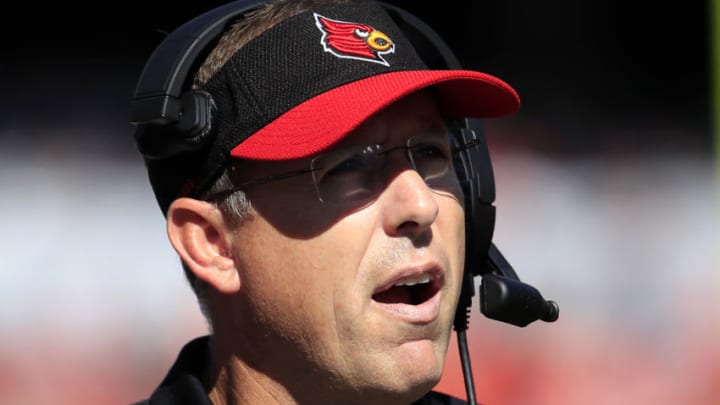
[411, 290]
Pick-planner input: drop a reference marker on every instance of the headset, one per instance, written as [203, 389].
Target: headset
[172, 120]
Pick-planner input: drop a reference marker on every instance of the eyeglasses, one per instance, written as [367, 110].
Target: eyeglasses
[357, 175]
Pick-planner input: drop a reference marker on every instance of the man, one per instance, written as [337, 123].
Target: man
[321, 223]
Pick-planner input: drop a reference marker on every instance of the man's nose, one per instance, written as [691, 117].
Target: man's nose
[410, 207]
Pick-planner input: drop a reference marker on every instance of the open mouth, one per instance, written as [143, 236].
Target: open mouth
[413, 290]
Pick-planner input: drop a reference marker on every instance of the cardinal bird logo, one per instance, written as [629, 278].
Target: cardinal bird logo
[354, 40]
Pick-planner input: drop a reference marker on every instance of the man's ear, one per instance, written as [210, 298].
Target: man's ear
[196, 230]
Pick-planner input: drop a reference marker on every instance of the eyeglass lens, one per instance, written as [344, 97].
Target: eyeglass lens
[359, 174]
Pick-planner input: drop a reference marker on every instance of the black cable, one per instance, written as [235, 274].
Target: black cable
[460, 324]
[466, 368]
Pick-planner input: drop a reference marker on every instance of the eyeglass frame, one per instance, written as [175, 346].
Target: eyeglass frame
[460, 147]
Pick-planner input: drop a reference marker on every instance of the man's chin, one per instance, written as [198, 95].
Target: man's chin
[406, 392]
[419, 370]
[404, 372]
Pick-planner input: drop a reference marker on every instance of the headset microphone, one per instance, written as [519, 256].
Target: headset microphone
[505, 298]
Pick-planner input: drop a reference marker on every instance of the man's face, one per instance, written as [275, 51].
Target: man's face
[351, 300]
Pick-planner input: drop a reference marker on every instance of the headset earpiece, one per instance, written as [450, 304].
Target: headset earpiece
[474, 170]
[192, 131]
[171, 119]
[195, 121]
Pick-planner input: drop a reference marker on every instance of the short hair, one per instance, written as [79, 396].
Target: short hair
[249, 26]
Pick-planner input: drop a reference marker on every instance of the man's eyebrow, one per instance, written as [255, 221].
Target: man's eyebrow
[439, 124]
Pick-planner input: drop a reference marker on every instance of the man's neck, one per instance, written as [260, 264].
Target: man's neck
[232, 382]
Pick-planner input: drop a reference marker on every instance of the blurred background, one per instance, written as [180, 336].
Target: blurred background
[607, 200]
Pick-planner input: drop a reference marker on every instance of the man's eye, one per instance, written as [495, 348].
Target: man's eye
[352, 164]
[429, 152]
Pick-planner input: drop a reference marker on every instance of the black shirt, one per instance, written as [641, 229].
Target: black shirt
[183, 383]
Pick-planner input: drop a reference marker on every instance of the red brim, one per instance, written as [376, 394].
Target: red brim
[319, 122]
